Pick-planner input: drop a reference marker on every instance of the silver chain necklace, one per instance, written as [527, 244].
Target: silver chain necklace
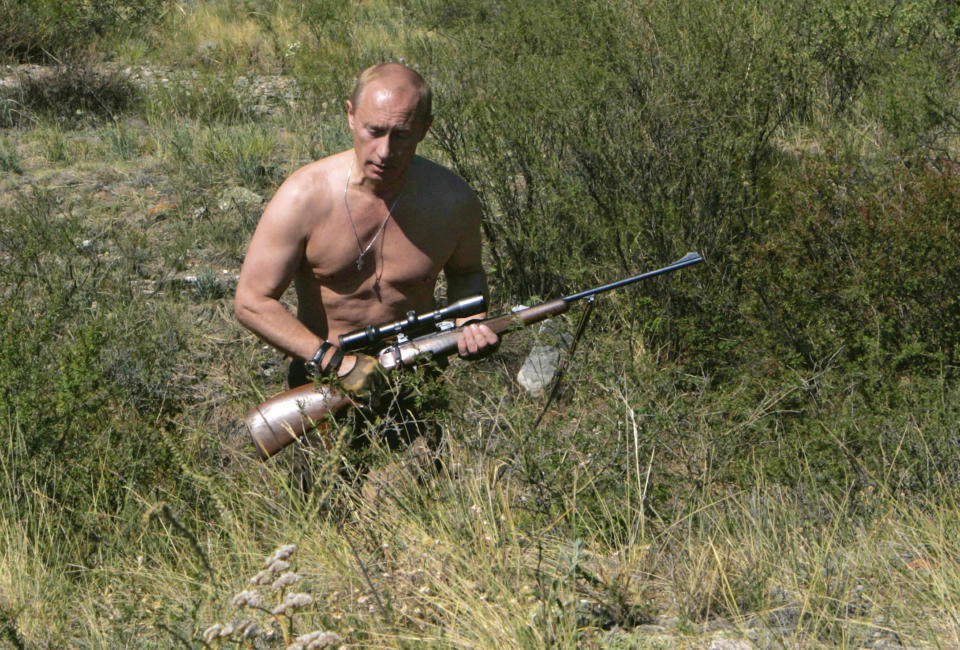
[364, 250]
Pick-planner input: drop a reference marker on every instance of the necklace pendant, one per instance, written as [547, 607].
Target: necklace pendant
[360, 263]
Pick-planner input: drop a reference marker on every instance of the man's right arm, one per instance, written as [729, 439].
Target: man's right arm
[275, 253]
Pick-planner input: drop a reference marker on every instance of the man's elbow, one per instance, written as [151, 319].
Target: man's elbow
[244, 310]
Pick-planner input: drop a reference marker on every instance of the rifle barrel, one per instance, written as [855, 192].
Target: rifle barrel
[687, 260]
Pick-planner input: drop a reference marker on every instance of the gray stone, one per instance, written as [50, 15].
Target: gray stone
[541, 365]
[730, 644]
[235, 198]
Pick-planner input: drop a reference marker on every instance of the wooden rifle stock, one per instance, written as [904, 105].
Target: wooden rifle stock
[286, 417]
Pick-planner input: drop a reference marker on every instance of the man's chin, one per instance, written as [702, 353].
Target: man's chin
[383, 174]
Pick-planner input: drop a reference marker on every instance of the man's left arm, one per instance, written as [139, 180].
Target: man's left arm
[465, 278]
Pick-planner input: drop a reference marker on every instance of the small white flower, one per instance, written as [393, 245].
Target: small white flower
[282, 553]
[212, 632]
[324, 640]
[309, 637]
[279, 566]
[252, 631]
[226, 631]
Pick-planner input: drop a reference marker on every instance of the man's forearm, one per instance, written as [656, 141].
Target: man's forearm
[272, 322]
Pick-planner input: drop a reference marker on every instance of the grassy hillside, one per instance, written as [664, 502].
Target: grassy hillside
[760, 450]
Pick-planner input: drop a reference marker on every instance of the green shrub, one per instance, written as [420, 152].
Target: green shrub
[59, 30]
[202, 98]
[9, 158]
[861, 269]
[82, 375]
[667, 135]
[70, 94]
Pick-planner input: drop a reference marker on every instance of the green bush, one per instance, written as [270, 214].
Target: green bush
[70, 94]
[82, 375]
[59, 30]
[859, 269]
[670, 134]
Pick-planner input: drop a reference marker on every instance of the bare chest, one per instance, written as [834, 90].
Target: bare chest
[371, 251]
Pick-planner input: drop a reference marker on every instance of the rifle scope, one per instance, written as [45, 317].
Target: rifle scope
[371, 334]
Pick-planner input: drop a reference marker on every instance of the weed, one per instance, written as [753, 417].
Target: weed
[74, 93]
[9, 158]
[210, 97]
[56, 30]
[123, 140]
[766, 445]
[278, 578]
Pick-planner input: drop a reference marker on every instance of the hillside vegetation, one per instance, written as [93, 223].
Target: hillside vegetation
[763, 449]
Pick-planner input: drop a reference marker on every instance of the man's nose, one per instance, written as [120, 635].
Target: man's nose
[384, 147]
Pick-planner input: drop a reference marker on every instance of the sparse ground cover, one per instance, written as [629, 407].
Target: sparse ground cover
[758, 452]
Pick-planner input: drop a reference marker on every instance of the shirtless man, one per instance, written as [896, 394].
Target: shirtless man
[363, 234]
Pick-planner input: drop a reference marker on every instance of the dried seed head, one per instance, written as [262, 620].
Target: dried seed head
[286, 580]
[298, 600]
[247, 598]
[285, 551]
[262, 578]
[226, 631]
[279, 566]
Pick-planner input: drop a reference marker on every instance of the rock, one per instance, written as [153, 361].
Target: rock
[730, 644]
[235, 198]
[541, 365]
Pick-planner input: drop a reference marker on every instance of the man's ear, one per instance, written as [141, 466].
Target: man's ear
[350, 114]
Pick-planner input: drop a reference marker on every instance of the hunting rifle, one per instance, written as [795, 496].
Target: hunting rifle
[286, 417]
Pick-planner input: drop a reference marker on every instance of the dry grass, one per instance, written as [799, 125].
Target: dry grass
[608, 527]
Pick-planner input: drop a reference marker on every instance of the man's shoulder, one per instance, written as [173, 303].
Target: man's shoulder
[312, 184]
[316, 174]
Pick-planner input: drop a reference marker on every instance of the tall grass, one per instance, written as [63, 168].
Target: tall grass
[761, 448]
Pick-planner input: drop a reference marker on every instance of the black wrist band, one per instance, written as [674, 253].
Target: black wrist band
[335, 360]
[312, 366]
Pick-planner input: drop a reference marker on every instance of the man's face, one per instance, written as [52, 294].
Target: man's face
[386, 130]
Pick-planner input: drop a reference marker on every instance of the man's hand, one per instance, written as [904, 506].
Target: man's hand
[477, 341]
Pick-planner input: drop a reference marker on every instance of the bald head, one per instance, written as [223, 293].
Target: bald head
[395, 76]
